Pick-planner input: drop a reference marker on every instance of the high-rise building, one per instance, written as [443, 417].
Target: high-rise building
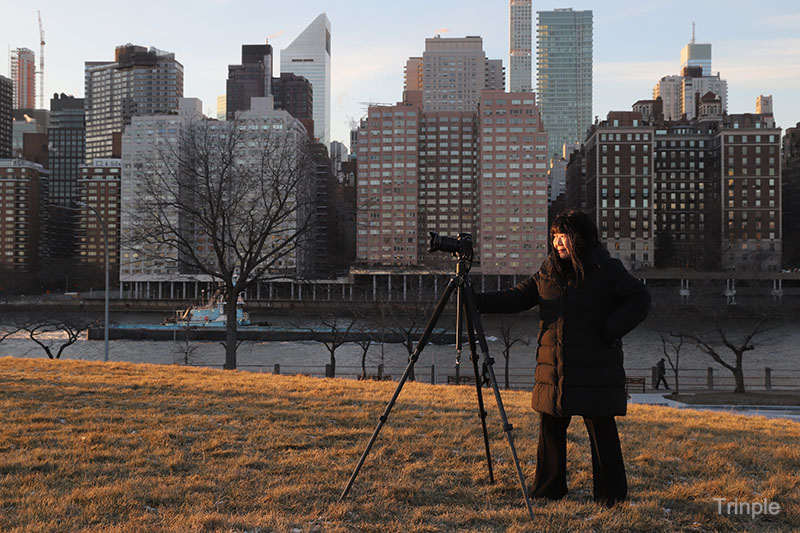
[148, 262]
[455, 71]
[23, 185]
[619, 186]
[67, 139]
[681, 93]
[319, 260]
[764, 105]
[482, 171]
[520, 46]
[251, 79]
[448, 179]
[294, 94]
[513, 230]
[557, 175]
[26, 122]
[564, 75]
[338, 156]
[6, 106]
[790, 208]
[387, 218]
[99, 187]
[222, 107]
[139, 81]
[154, 261]
[700, 194]
[697, 55]
[23, 74]
[342, 217]
[309, 56]
[414, 74]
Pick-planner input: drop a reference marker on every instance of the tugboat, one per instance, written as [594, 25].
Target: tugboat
[211, 313]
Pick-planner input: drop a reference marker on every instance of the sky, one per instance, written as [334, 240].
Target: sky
[755, 45]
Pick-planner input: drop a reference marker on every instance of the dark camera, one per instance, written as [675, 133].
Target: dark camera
[461, 245]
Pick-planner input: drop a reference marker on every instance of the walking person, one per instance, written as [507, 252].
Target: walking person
[661, 373]
[587, 303]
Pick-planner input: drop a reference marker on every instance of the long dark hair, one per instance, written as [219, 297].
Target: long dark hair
[583, 245]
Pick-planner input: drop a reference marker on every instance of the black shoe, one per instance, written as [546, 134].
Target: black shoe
[609, 503]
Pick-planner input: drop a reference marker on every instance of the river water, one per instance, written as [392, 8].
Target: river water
[777, 349]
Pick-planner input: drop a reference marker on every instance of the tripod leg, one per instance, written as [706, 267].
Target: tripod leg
[423, 340]
[478, 382]
[459, 324]
[472, 315]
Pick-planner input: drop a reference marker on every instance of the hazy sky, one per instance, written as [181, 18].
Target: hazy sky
[755, 45]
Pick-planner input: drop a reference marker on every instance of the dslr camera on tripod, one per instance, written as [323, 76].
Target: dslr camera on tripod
[460, 246]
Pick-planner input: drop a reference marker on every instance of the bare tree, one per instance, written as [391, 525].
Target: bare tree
[54, 335]
[509, 337]
[230, 200]
[364, 342]
[718, 339]
[365, 338]
[407, 326]
[409, 320]
[340, 333]
[184, 347]
[721, 328]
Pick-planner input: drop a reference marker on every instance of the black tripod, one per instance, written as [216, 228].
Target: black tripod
[467, 308]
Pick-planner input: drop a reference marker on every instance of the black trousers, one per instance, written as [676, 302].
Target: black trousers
[608, 469]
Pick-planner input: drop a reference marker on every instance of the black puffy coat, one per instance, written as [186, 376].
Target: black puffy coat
[579, 362]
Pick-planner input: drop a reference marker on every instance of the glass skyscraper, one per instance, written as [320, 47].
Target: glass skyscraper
[67, 143]
[309, 56]
[564, 75]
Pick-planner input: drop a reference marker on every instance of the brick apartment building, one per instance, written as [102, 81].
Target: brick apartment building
[99, 187]
[702, 193]
[451, 172]
[448, 180]
[513, 230]
[388, 188]
[23, 194]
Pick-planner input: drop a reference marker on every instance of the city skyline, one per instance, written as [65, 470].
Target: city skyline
[757, 52]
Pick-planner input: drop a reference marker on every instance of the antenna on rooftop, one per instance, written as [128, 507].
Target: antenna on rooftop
[692, 32]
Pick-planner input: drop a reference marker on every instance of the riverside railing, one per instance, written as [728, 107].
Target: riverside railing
[691, 379]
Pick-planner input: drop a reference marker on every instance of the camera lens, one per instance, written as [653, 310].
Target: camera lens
[445, 244]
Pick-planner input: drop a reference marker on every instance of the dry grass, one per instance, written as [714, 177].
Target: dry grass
[124, 447]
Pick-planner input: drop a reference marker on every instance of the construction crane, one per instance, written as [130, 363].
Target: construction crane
[41, 61]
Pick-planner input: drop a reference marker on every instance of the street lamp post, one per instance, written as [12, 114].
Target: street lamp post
[105, 239]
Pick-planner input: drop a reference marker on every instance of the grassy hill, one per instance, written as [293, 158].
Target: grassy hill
[131, 447]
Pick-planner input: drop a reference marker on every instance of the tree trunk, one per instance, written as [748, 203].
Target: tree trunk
[364, 364]
[507, 363]
[230, 330]
[738, 374]
[333, 363]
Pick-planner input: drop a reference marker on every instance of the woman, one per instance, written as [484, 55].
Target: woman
[587, 303]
